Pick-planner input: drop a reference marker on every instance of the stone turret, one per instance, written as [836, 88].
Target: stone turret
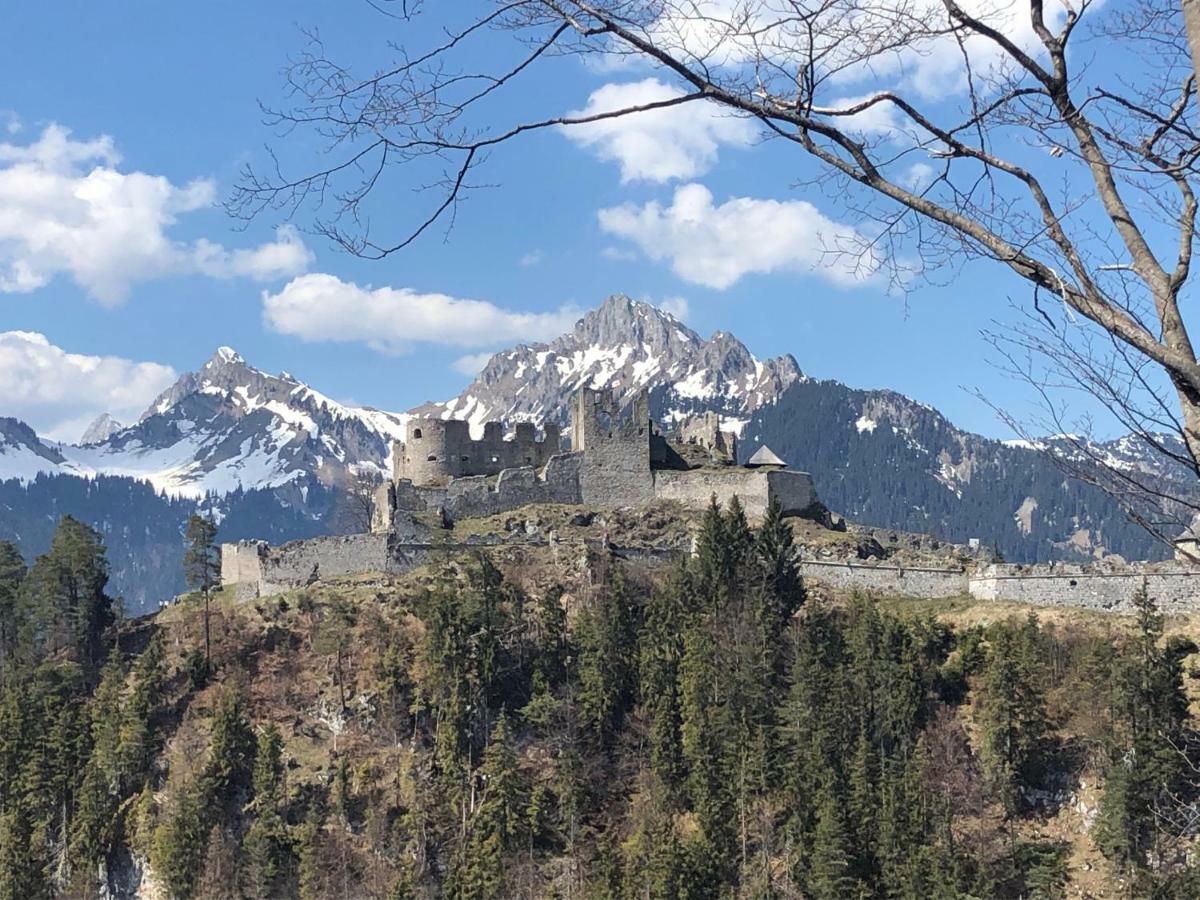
[437, 450]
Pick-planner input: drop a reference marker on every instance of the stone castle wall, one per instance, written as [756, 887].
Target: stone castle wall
[242, 562]
[1174, 588]
[254, 569]
[480, 495]
[754, 488]
[901, 581]
[436, 450]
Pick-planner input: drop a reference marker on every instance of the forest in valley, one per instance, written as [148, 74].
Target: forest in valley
[710, 729]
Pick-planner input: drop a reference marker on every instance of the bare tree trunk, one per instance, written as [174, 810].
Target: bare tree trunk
[207, 634]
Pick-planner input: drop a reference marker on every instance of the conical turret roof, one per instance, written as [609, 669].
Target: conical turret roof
[765, 456]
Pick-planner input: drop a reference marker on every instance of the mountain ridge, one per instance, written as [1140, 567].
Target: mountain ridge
[231, 437]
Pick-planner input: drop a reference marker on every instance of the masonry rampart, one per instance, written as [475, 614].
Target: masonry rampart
[241, 562]
[754, 488]
[481, 495]
[902, 581]
[1174, 588]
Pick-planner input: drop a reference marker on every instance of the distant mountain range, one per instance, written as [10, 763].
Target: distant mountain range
[272, 457]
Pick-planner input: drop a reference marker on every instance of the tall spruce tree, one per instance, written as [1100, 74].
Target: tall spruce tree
[202, 569]
[12, 572]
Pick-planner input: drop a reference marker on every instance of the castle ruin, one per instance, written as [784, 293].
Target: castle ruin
[619, 457]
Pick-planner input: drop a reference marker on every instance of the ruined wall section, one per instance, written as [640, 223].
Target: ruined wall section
[242, 562]
[615, 442]
[474, 496]
[899, 581]
[754, 488]
[704, 431]
[436, 450]
[1174, 588]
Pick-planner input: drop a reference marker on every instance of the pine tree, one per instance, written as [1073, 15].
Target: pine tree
[139, 726]
[202, 569]
[21, 876]
[227, 770]
[829, 876]
[494, 828]
[180, 843]
[1012, 711]
[605, 638]
[1148, 772]
[776, 558]
[63, 603]
[333, 639]
[308, 867]
[12, 572]
[265, 848]
[218, 878]
[395, 683]
[659, 664]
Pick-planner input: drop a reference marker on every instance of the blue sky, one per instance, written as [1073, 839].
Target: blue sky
[170, 91]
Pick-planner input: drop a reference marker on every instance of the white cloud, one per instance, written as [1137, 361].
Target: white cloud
[676, 306]
[60, 393]
[716, 245]
[918, 176]
[319, 307]
[472, 364]
[66, 209]
[659, 144]
[532, 258]
[854, 43]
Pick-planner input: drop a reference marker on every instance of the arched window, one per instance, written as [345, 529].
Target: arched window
[416, 432]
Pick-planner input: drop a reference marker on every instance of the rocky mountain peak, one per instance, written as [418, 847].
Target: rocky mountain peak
[102, 428]
[624, 345]
[622, 320]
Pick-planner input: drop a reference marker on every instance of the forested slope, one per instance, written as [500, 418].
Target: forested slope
[542, 731]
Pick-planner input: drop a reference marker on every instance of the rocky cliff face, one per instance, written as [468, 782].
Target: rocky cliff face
[624, 345]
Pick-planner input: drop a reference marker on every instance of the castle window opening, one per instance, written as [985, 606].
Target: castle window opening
[464, 459]
[495, 459]
[416, 432]
[431, 458]
[1074, 583]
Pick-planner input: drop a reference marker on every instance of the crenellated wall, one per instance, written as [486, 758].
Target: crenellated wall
[436, 450]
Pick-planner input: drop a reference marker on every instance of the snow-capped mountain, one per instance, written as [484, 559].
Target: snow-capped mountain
[271, 456]
[23, 454]
[624, 345]
[224, 427]
[881, 458]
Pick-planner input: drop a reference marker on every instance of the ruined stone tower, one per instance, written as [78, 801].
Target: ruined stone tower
[436, 450]
[615, 443]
